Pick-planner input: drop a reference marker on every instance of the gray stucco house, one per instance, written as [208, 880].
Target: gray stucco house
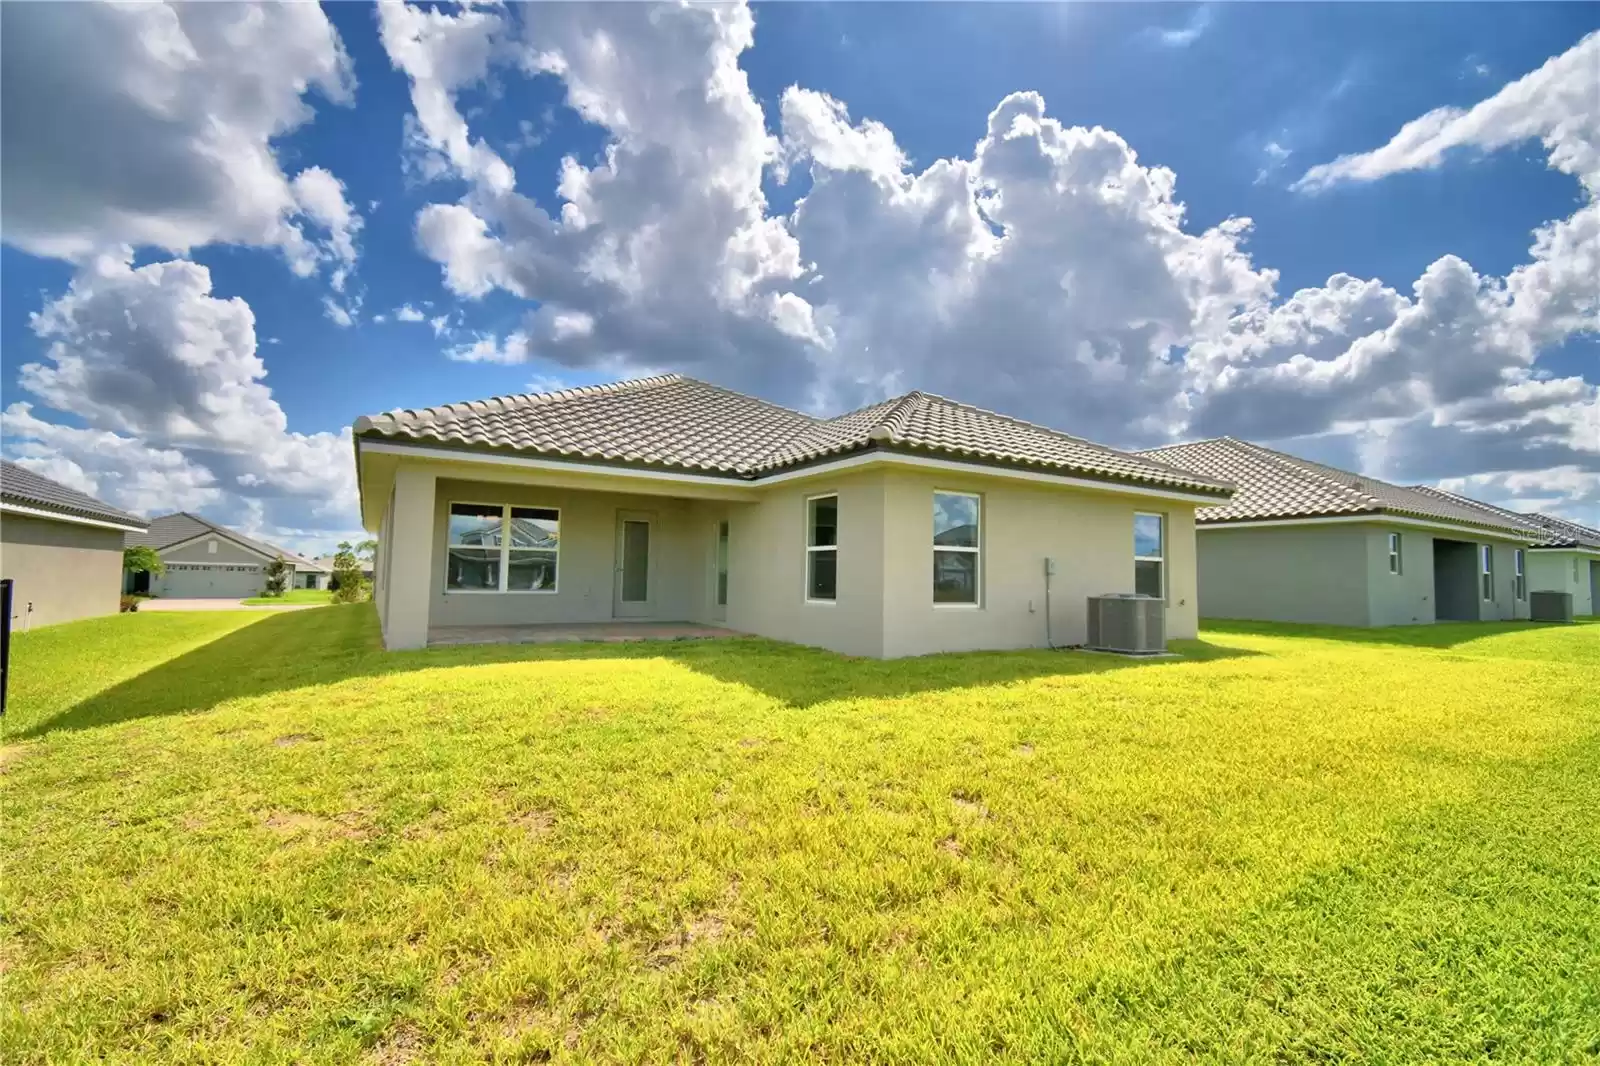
[61, 547]
[911, 526]
[205, 560]
[1304, 542]
[1566, 558]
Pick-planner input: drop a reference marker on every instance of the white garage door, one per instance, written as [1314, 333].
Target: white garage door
[185, 581]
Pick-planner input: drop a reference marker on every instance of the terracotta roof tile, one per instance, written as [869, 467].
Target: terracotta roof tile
[1275, 485]
[674, 421]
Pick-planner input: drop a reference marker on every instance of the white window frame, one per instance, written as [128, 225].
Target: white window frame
[1396, 555]
[1519, 574]
[1162, 558]
[1486, 572]
[805, 532]
[505, 550]
[977, 602]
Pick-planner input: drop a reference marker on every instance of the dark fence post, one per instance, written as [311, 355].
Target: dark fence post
[5, 639]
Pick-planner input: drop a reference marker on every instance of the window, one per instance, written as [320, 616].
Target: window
[722, 564]
[500, 548]
[822, 548]
[1394, 553]
[1519, 577]
[1149, 555]
[1486, 570]
[956, 520]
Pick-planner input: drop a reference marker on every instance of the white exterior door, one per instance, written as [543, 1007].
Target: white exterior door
[631, 596]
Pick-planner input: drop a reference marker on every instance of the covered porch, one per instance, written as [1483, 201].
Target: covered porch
[474, 552]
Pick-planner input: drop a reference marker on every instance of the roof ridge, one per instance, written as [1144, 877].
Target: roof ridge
[1296, 464]
[519, 400]
[891, 425]
[1014, 420]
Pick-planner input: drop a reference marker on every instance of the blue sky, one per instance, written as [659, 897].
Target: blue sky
[1237, 101]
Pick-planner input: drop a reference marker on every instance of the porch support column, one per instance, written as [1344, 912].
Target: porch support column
[410, 564]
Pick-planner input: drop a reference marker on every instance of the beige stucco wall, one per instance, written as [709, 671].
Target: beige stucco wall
[66, 571]
[1089, 534]
[767, 566]
[884, 605]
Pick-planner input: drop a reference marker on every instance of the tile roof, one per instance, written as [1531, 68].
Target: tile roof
[1554, 532]
[171, 529]
[1276, 485]
[678, 422]
[28, 489]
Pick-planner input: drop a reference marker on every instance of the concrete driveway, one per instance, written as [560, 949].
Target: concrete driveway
[165, 604]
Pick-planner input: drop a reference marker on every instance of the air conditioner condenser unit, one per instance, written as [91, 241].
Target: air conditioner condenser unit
[1129, 623]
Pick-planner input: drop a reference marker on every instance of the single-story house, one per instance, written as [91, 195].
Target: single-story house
[915, 525]
[326, 561]
[1565, 559]
[1304, 542]
[205, 560]
[62, 549]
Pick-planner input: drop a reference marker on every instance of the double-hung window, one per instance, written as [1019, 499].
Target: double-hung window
[957, 534]
[1519, 575]
[1150, 555]
[1486, 570]
[1394, 553]
[822, 549]
[500, 548]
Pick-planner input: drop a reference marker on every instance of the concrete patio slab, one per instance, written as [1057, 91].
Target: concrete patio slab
[563, 633]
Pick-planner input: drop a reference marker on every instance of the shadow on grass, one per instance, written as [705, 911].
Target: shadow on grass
[298, 649]
[1437, 635]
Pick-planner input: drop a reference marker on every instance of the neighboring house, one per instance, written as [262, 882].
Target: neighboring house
[915, 525]
[1304, 542]
[326, 562]
[205, 560]
[62, 549]
[1566, 558]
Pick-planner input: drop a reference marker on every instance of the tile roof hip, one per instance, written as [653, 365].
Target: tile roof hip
[677, 421]
[45, 494]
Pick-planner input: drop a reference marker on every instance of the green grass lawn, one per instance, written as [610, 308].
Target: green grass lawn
[317, 596]
[257, 838]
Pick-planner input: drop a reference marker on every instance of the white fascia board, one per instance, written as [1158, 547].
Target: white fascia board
[927, 462]
[450, 455]
[36, 512]
[827, 467]
[1571, 551]
[1369, 520]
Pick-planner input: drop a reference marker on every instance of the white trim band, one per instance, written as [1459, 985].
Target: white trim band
[35, 512]
[1369, 520]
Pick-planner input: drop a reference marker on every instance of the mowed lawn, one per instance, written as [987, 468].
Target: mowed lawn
[317, 597]
[249, 837]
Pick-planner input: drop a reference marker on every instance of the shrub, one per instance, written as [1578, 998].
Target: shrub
[349, 584]
[277, 574]
[130, 604]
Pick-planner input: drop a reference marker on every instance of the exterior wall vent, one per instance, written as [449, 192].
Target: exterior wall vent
[1550, 607]
[1128, 623]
